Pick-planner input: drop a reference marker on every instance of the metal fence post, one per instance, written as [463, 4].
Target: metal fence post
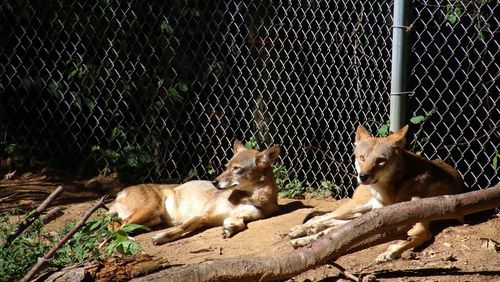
[399, 65]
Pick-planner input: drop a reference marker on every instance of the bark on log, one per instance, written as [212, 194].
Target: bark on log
[333, 244]
[110, 269]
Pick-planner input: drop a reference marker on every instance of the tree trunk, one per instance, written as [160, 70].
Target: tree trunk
[334, 244]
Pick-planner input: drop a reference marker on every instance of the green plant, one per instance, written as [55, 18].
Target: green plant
[420, 120]
[251, 143]
[122, 243]
[287, 188]
[130, 158]
[18, 151]
[210, 169]
[383, 129]
[293, 189]
[328, 186]
[191, 174]
[326, 189]
[453, 12]
[89, 241]
[281, 175]
[494, 162]
[18, 258]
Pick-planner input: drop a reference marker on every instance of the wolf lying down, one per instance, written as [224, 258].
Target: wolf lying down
[244, 192]
[387, 174]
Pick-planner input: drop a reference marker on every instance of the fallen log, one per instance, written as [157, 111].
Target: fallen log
[109, 269]
[335, 243]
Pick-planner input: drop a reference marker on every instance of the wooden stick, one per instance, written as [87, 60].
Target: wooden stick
[7, 197]
[46, 258]
[30, 218]
[48, 217]
[52, 214]
[344, 272]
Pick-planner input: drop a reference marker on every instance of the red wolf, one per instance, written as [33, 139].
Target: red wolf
[246, 191]
[387, 174]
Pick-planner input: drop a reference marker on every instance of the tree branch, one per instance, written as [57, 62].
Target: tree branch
[336, 243]
[45, 259]
[30, 218]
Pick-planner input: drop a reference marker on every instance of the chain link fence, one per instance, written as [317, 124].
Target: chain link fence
[159, 90]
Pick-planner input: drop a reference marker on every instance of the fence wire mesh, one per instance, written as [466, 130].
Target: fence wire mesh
[159, 90]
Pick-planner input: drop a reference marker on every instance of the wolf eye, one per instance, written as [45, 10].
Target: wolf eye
[236, 168]
[362, 158]
[381, 161]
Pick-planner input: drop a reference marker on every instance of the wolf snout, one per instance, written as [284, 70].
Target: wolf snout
[363, 177]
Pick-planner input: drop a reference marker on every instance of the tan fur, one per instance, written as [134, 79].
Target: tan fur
[245, 192]
[387, 174]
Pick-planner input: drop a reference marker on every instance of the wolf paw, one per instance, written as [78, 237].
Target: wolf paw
[387, 256]
[162, 238]
[228, 231]
[297, 231]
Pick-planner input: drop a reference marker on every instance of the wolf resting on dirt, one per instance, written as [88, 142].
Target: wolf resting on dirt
[387, 174]
[244, 192]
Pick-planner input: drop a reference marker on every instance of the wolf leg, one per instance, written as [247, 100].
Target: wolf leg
[418, 235]
[175, 232]
[237, 222]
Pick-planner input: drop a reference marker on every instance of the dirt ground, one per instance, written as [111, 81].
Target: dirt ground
[457, 253]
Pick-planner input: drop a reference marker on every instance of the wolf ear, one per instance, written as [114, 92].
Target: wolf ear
[399, 136]
[267, 157]
[238, 146]
[361, 133]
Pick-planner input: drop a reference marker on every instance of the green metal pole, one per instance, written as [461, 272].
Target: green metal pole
[399, 71]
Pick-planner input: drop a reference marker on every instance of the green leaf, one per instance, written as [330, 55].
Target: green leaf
[417, 119]
[89, 103]
[182, 87]
[159, 83]
[167, 28]
[481, 35]
[195, 12]
[145, 158]
[95, 225]
[132, 161]
[117, 132]
[54, 89]
[191, 174]
[251, 144]
[127, 228]
[383, 130]
[75, 98]
[113, 155]
[172, 93]
[73, 72]
[494, 163]
[27, 82]
[452, 13]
